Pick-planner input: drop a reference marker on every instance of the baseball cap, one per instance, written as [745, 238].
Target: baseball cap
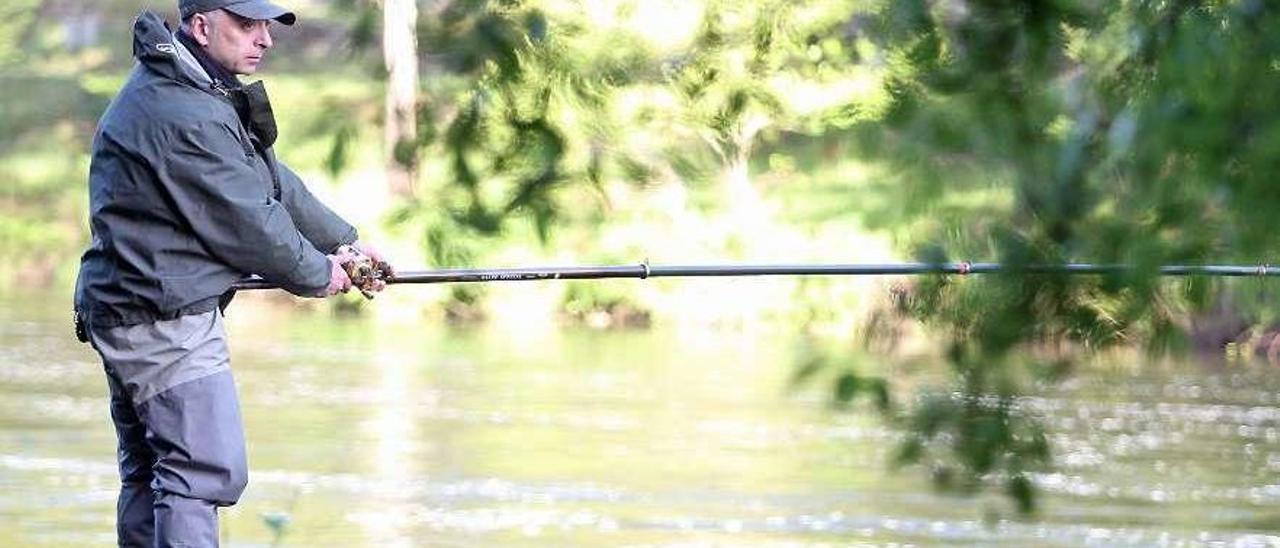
[251, 9]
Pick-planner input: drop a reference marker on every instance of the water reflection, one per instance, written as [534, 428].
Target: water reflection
[397, 435]
[392, 426]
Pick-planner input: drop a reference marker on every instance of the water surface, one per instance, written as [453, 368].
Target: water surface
[422, 435]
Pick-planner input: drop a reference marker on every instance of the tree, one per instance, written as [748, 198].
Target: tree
[400, 52]
[769, 66]
[622, 101]
[1114, 132]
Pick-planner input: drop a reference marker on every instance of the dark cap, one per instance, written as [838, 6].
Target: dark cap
[251, 9]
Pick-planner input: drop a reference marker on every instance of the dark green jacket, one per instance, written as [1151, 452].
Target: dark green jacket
[185, 200]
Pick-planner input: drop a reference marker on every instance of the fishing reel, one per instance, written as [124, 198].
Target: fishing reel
[365, 273]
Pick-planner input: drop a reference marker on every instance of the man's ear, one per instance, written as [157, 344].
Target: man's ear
[201, 26]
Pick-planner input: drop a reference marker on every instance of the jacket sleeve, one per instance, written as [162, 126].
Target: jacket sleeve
[229, 207]
[319, 224]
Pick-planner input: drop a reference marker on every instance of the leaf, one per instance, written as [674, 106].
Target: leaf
[1023, 493]
[847, 386]
[879, 390]
[336, 161]
[910, 451]
[363, 34]
[807, 370]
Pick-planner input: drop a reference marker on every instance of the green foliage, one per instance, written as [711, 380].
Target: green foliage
[547, 95]
[1083, 109]
[498, 130]
[1027, 133]
[33, 105]
[46, 121]
[278, 524]
[1136, 132]
[15, 18]
[365, 18]
[336, 161]
[603, 305]
[751, 74]
[983, 435]
[848, 383]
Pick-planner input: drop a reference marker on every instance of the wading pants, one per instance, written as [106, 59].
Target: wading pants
[177, 418]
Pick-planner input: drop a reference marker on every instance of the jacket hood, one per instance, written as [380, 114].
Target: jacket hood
[155, 47]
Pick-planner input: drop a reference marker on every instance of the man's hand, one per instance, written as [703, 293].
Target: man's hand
[339, 282]
[371, 251]
[378, 259]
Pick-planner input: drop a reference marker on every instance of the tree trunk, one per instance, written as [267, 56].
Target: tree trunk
[745, 205]
[400, 49]
[743, 201]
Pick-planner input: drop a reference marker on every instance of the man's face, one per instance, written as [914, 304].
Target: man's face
[236, 43]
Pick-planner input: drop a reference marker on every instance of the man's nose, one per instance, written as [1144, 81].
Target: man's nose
[264, 38]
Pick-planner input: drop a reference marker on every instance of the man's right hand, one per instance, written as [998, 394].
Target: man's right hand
[339, 282]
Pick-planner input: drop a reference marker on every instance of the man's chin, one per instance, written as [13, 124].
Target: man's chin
[247, 68]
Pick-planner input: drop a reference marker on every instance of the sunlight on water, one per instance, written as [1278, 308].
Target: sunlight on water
[364, 435]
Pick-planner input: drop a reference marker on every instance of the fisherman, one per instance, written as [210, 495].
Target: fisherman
[186, 197]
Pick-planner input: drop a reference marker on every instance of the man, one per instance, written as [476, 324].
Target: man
[186, 197]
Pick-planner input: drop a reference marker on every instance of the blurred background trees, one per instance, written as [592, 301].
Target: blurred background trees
[1013, 131]
[1130, 132]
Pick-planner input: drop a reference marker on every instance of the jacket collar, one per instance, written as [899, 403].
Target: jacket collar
[222, 78]
[155, 47]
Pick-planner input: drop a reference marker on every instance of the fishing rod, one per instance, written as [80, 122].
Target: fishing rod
[366, 272]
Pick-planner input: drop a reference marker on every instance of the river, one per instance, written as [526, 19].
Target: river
[367, 434]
